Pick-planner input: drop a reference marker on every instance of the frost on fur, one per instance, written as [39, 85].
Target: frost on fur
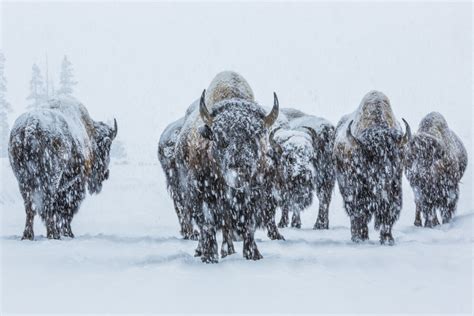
[434, 165]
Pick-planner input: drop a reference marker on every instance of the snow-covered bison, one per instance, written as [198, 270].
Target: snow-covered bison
[167, 158]
[304, 164]
[434, 164]
[55, 152]
[368, 153]
[222, 154]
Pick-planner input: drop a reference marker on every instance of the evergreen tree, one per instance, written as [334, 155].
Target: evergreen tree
[37, 89]
[66, 82]
[5, 108]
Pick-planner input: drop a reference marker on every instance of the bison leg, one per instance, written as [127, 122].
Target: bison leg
[296, 219]
[50, 217]
[284, 221]
[323, 215]
[272, 231]
[324, 198]
[447, 212]
[359, 229]
[430, 215]
[227, 247]
[386, 237]
[187, 230]
[418, 216]
[209, 245]
[250, 247]
[66, 230]
[30, 216]
[52, 229]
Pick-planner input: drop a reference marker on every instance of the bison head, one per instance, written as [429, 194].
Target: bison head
[103, 137]
[293, 153]
[380, 141]
[237, 130]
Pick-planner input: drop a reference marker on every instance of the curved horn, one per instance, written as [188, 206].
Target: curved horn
[273, 143]
[273, 115]
[350, 136]
[115, 131]
[407, 137]
[203, 112]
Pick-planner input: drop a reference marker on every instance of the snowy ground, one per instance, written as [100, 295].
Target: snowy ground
[128, 257]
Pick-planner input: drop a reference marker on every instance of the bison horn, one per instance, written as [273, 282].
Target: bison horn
[206, 117]
[407, 137]
[350, 136]
[272, 117]
[115, 131]
[273, 144]
[271, 138]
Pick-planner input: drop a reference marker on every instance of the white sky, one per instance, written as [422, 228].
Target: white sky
[144, 63]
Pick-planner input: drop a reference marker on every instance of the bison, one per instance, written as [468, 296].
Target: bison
[222, 152]
[434, 165]
[55, 152]
[303, 156]
[368, 154]
[167, 158]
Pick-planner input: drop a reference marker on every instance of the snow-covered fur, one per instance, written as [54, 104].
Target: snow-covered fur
[304, 163]
[435, 163]
[228, 85]
[167, 158]
[368, 155]
[222, 154]
[55, 152]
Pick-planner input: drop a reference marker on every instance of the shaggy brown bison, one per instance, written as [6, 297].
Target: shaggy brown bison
[55, 152]
[435, 163]
[304, 165]
[221, 152]
[368, 155]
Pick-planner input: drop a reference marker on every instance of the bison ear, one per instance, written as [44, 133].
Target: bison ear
[206, 132]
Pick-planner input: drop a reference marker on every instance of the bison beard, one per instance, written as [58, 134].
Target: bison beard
[53, 166]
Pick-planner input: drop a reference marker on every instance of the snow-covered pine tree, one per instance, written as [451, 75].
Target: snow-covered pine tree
[5, 108]
[66, 82]
[37, 89]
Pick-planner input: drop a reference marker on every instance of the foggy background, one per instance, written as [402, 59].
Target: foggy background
[144, 63]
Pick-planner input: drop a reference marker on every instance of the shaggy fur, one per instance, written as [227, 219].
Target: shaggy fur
[368, 156]
[55, 152]
[221, 158]
[303, 156]
[435, 163]
[167, 158]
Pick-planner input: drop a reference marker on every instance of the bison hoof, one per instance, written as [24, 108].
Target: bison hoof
[28, 235]
[227, 252]
[387, 239]
[276, 236]
[296, 224]
[321, 225]
[359, 239]
[198, 252]
[209, 259]
[68, 234]
[417, 222]
[191, 236]
[252, 254]
[431, 223]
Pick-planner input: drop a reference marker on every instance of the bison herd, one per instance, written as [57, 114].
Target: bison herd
[230, 163]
